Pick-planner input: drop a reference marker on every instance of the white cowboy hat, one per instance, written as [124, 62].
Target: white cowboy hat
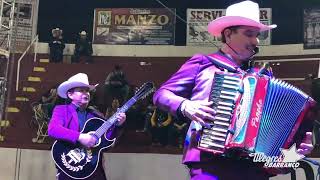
[83, 33]
[56, 29]
[245, 13]
[78, 80]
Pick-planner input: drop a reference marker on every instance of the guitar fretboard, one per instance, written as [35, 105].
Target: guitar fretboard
[113, 119]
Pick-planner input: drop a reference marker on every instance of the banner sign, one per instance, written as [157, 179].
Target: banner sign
[198, 20]
[311, 26]
[134, 26]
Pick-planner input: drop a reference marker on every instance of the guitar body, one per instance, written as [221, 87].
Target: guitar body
[76, 161]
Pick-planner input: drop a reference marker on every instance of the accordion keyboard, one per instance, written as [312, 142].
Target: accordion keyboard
[224, 93]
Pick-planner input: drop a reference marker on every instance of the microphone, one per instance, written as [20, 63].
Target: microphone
[254, 52]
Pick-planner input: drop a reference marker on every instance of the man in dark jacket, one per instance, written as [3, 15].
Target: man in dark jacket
[83, 47]
[56, 46]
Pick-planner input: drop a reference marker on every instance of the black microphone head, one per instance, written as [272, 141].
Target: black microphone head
[254, 52]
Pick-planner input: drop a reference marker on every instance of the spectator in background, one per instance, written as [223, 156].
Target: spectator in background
[56, 46]
[48, 101]
[83, 47]
[177, 132]
[160, 123]
[43, 108]
[135, 117]
[116, 84]
[50, 96]
[147, 114]
[113, 109]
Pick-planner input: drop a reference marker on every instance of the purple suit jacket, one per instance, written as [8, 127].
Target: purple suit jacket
[64, 124]
[192, 81]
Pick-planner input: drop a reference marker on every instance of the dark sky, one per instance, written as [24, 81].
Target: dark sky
[73, 16]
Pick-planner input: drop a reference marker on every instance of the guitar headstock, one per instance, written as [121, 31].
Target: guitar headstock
[143, 91]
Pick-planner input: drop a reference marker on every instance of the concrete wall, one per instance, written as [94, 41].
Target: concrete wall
[177, 51]
[25, 164]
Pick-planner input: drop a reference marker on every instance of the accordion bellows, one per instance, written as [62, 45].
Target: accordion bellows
[254, 113]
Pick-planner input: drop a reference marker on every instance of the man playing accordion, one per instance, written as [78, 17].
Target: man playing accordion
[186, 93]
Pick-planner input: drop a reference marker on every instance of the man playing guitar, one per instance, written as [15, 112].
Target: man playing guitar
[68, 120]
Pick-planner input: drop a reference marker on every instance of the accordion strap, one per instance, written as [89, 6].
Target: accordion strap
[220, 62]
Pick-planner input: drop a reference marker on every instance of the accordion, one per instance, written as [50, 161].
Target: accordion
[254, 114]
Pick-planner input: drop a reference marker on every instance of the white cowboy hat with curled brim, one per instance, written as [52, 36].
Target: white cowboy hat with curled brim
[83, 33]
[78, 80]
[245, 13]
[56, 29]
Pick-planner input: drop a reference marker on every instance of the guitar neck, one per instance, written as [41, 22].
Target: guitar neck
[113, 119]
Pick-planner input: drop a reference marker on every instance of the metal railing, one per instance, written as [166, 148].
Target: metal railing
[34, 41]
